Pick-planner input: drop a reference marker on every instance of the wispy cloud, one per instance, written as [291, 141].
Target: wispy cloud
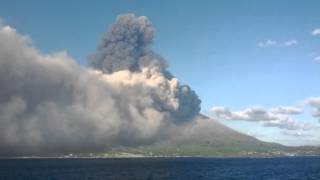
[289, 124]
[316, 32]
[276, 44]
[317, 59]
[315, 103]
[289, 110]
[275, 117]
[249, 114]
[295, 134]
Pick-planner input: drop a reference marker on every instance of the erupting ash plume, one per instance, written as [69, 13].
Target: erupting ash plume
[126, 47]
[49, 104]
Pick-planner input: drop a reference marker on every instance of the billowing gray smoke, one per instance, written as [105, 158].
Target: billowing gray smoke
[126, 47]
[49, 104]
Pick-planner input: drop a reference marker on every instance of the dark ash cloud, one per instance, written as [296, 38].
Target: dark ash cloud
[125, 46]
[49, 104]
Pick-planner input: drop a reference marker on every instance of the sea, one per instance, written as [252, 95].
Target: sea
[283, 168]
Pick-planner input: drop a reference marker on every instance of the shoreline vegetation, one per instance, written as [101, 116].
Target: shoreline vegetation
[155, 157]
[135, 155]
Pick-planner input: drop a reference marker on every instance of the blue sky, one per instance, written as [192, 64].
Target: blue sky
[235, 54]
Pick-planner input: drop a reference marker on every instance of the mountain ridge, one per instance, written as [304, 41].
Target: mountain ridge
[214, 140]
[221, 141]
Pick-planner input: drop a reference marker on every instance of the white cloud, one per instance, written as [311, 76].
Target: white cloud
[317, 59]
[267, 43]
[286, 110]
[316, 32]
[289, 124]
[275, 117]
[315, 103]
[297, 134]
[290, 43]
[273, 43]
[249, 114]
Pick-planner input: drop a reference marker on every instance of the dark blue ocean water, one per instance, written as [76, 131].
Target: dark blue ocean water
[161, 168]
